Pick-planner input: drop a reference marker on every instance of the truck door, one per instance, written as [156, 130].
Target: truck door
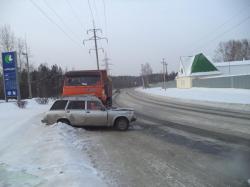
[96, 114]
[76, 112]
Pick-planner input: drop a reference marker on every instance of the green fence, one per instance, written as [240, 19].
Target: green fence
[241, 81]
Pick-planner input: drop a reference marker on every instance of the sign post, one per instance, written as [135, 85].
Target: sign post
[10, 74]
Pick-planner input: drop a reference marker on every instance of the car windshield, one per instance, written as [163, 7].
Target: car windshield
[82, 80]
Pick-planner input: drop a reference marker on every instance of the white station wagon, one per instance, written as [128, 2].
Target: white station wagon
[88, 111]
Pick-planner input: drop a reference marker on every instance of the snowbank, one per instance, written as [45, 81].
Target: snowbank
[222, 95]
[33, 154]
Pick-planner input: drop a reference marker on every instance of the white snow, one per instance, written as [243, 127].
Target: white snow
[232, 63]
[222, 95]
[234, 67]
[33, 154]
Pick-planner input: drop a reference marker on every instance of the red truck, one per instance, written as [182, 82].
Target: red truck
[89, 82]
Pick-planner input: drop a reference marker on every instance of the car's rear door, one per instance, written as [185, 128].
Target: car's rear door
[76, 112]
[96, 114]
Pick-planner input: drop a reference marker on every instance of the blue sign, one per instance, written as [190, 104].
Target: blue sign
[10, 74]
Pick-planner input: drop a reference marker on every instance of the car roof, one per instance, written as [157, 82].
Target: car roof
[80, 97]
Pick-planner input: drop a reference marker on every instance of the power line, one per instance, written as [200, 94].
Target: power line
[74, 13]
[54, 23]
[60, 18]
[95, 38]
[106, 21]
[94, 30]
[96, 12]
[228, 30]
[105, 16]
[91, 11]
[222, 25]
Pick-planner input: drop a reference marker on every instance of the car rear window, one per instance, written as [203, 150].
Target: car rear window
[59, 105]
[76, 105]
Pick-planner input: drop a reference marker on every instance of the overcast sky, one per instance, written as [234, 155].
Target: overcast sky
[139, 31]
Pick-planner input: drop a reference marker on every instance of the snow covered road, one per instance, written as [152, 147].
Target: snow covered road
[152, 153]
[149, 154]
[33, 154]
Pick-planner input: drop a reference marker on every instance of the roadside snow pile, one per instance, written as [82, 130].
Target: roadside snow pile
[70, 134]
[33, 154]
[223, 95]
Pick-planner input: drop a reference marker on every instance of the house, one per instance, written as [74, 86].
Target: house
[199, 71]
[192, 67]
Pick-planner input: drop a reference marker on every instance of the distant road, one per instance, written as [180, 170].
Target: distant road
[211, 121]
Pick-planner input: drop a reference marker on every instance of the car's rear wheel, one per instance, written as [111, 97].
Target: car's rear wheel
[122, 124]
[64, 121]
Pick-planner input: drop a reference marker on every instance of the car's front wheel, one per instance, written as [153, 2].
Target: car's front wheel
[121, 124]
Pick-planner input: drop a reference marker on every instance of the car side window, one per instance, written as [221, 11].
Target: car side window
[59, 105]
[76, 105]
[94, 105]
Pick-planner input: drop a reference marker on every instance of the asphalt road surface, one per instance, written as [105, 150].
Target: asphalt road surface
[173, 145]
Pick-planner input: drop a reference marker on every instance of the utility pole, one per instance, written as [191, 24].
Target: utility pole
[231, 77]
[96, 49]
[28, 69]
[142, 76]
[167, 71]
[95, 38]
[164, 65]
[106, 63]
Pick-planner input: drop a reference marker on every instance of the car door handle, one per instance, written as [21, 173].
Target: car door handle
[87, 111]
[67, 111]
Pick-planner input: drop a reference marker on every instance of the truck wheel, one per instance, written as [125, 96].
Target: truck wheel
[64, 121]
[122, 124]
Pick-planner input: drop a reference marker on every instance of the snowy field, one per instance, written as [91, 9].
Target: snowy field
[33, 154]
[222, 95]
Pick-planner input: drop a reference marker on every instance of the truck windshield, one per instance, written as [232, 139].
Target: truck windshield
[83, 80]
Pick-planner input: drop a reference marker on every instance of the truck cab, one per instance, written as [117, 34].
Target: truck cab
[89, 82]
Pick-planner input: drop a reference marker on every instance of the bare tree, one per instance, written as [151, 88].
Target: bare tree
[146, 70]
[7, 38]
[246, 49]
[233, 50]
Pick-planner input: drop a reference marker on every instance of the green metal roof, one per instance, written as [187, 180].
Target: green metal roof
[202, 64]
